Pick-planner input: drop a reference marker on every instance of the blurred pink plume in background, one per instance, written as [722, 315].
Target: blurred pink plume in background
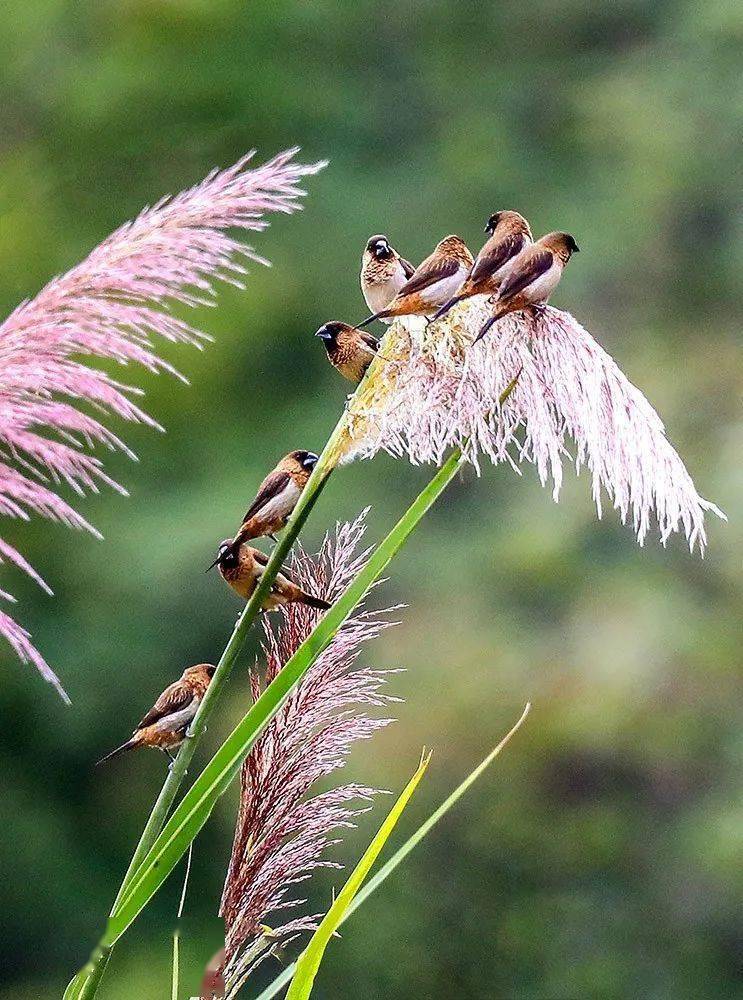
[109, 306]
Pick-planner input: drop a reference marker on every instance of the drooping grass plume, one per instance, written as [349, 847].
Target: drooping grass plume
[283, 830]
[112, 306]
[438, 391]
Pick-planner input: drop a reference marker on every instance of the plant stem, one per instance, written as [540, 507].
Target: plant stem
[84, 986]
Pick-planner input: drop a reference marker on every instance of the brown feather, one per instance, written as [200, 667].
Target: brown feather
[174, 698]
[533, 262]
[270, 488]
[431, 270]
[494, 254]
[407, 267]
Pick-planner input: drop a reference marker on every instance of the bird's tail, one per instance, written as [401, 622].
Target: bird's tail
[382, 314]
[115, 753]
[486, 326]
[315, 602]
[447, 306]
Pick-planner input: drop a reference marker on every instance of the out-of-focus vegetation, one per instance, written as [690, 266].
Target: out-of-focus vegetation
[601, 857]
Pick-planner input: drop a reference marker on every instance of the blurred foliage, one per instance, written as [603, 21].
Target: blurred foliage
[601, 857]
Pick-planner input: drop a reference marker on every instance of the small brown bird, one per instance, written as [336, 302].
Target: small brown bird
[350, 351]
[242, 568]
[277, 496]
[532, 276]
[164, 727]
[383, 272]
[509, 234]
[433, 282]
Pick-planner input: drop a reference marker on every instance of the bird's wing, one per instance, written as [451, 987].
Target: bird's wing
[371, 342]
[175, 697]
[492, 257]
[407, 267]
[534, 262]
[262, 558]
[269, 489]
[433, 269]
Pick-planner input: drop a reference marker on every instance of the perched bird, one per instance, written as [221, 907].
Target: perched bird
[165, 725]
[509, 233]
[350, 351]
[433, 282]
[532, 276]
[242, 568]
[383, 272]
[277, 496]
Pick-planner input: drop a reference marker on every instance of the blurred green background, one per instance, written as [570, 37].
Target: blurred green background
[601, 856]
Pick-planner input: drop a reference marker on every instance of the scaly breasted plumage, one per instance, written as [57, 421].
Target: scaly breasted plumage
[509, 235]
[433, 282]
[164, 727]
[532, 276]
[277, 496]
[383, 272]
[242, 568]
[350, 350]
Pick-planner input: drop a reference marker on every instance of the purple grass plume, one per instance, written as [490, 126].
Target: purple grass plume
[110, 306]
[283, 830]
[433, 390]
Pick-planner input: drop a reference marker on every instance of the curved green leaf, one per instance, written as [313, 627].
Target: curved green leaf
[195, 807]
[399, 856]
[311, 957]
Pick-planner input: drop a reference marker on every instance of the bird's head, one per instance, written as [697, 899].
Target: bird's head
[306, 459]
[228, 556]
[328, 332]
[199, 670]
[562, 243]
[454, 246]
[507, 220]
[379, 247]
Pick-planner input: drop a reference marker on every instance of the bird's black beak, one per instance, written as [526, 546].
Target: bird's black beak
[215, 563]
[486, 229]
[310, 461]
[576, 248]
[324, 335]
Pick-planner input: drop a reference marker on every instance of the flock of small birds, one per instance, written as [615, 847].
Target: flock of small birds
[516, 271]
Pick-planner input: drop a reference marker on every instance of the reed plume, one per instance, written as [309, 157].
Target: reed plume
[111, 306]
[434, 391]
[283, 830]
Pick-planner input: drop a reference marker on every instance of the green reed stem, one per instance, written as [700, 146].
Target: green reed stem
[85, 984]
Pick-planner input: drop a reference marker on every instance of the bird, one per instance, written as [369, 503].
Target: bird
[532, 276]
[277, 496]
[433, 282]
[509, 234]
[242, 567]
[165, 725]
[350, 350]
[383, 272]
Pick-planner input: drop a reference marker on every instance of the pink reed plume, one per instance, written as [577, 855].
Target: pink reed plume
[436, 391]
[282, 834]
[110, 306]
